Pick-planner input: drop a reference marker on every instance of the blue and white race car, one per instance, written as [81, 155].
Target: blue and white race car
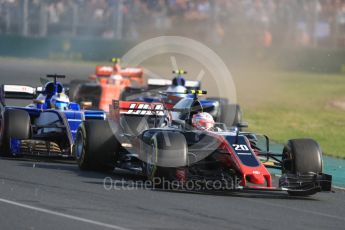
[47, 127]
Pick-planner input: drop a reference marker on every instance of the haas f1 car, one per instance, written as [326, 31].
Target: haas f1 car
[106, 84]
[159, 143]
[45, 128]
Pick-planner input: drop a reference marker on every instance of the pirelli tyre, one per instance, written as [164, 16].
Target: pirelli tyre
[167, 153]
[88, 92]
[302, 156]
[15, 124]
[231, 114]
[96, 147]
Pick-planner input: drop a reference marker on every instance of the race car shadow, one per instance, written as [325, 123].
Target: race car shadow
[123, 179]
[70, 166]
[40, 159]
[243, 194]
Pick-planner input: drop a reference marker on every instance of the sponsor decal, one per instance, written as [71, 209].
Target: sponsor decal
[19, 89]
[145, 109]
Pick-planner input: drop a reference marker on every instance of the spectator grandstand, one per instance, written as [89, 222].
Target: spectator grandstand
[262, 22]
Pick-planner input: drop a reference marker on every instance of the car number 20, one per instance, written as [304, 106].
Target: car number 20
[238, 147]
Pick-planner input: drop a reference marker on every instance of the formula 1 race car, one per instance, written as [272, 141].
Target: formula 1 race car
[220, 108]
[106, 84]
[165, 146]
[45, 128]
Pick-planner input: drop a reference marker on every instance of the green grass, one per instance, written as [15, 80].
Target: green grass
[294, 105]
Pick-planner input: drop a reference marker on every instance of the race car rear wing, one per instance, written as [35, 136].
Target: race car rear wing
[158, 82]
[130, 72]
[16, 92]
[105, 71]
[133, 108]
[155, 82]
[138, 108]
[193, 85]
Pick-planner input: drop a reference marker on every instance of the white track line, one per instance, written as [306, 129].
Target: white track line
[337, 187]
[63, 215]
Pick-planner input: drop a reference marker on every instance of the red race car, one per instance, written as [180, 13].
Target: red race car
[106, 84]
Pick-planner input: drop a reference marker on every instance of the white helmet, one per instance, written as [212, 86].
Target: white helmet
[202, 121]
[59, 101]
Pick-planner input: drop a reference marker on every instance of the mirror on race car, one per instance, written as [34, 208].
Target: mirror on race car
[37, 101]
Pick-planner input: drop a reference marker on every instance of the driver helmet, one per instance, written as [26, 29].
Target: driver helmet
[178, 86]
[116, 66]
[49, 88]
[179, 81]
[202, 121]
[60, 101]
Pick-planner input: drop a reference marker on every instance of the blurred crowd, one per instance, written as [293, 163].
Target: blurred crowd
[264, 22]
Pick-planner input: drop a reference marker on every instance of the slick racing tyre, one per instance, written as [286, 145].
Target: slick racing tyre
[302, 156]
[168, 152]
[16, 124]
[88, 92]
[95, 147]
[230, 114]
[73, 86]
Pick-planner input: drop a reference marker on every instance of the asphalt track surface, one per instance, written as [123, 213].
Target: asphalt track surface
[37, 194]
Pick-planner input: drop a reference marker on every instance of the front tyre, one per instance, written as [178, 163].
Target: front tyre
[168, 152]
[96, 147]
[16, 124]
[302, 157]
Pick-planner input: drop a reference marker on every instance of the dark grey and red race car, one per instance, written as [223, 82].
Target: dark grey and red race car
[164, 146]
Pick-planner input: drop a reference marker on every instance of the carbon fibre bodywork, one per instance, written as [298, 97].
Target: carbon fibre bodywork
[218, 155]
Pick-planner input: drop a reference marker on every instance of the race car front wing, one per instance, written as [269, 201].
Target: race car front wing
[306, 182]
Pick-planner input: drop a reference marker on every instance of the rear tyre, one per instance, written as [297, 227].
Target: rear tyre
[73, 86]
[16, 124]
[90, 92]
[230, 114]
[96, 147]
[302, 156]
